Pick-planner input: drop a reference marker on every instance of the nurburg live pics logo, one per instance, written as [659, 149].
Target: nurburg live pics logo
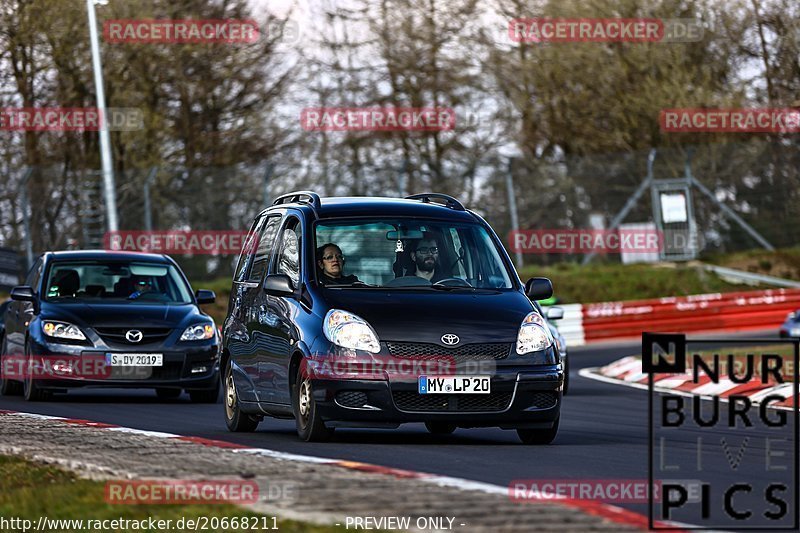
[723, 432]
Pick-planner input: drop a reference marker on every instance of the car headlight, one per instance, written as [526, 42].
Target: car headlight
[533, 335]
[350, 331]
[62, 330]
[198, 332]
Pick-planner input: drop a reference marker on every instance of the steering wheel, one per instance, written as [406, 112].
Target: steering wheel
[453, 282]
[407, 281]
[156, 296]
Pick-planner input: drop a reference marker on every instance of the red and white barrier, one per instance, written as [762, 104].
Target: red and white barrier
[730, 312]
[628, 371]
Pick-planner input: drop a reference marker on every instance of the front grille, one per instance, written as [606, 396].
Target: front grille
[413, 401]
[544, 400]
[351, 398]
[149, 335]
[170, 370]
[467, 352]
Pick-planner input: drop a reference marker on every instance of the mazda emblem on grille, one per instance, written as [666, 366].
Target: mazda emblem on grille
[133, 335]
[450, 339]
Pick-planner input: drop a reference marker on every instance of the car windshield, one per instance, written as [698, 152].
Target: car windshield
[116, 281]
[412, 253]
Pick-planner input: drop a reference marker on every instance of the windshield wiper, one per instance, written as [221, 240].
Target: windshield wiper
[451, 287]
[354, 284]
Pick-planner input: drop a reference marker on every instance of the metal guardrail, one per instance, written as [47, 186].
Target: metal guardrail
[749, 278]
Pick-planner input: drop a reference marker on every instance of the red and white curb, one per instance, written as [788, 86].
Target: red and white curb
[603, 510]
[628, 371]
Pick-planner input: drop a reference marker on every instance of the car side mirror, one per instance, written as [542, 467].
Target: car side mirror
[278, 285]
[555, 313]
[539, 288]
[204, 296]
[23, 293]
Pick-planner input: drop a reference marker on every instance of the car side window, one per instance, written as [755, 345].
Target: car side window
[35, 274]
[266, 239]
[289, 258]
[248, 250]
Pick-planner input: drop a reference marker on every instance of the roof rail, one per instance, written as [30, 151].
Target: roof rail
[301, 197]
[426, 198]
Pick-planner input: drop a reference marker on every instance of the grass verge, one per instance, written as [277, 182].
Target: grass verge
[30, 490]
[575, 283]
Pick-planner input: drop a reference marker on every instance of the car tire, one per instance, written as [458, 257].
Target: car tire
[8, 387]
[168, 394]
[310, 426]
[205, 396]
[440, 428]
[235, 419]
[30, 389]
[539, 436]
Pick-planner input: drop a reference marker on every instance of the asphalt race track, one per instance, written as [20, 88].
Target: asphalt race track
[603, 433]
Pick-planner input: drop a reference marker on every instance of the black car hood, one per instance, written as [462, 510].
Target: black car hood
[424, 316]
[115, 315]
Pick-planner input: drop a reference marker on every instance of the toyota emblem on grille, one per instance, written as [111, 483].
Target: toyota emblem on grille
[134, 335]
[450, 339]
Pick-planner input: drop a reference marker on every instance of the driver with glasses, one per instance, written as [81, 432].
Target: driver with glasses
[425, 255]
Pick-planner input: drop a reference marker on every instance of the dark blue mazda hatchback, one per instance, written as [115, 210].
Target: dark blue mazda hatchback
[111, 319]
[373, 312]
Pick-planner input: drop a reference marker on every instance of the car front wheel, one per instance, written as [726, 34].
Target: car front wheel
[30, 389]
[310, 426]
[235, 419]
[8, 387]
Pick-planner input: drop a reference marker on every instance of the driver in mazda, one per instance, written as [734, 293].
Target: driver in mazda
[142, 286]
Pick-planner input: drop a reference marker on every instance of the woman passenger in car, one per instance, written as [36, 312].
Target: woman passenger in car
[331, 266]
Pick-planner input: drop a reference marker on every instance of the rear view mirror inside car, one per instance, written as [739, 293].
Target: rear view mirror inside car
[116, 271]
[148, 270]
[403, 234]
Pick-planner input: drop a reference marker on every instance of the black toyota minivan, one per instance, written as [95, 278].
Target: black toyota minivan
[372, 312]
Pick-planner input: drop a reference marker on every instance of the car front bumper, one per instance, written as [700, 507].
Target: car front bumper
[188, 367]
[520, 397]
